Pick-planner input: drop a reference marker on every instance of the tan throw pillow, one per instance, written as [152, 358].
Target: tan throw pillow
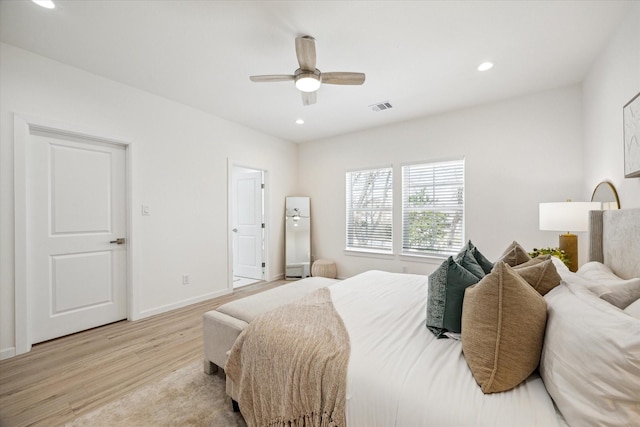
[534, 261]
[503, 322]
[543, 276]
[514, 255]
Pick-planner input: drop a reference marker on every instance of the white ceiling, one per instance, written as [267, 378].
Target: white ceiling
[419, 55]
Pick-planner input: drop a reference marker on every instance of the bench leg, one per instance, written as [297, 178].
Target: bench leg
[236, 407]
[210, 368]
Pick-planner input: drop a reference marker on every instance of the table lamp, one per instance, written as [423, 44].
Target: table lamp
[567, 216]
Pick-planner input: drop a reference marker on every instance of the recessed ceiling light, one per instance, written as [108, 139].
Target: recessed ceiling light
[299, 122]
[45, 3]
[485, 66]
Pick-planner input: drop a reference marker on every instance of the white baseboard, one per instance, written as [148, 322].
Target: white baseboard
[180, 304]
[276, 277]
[6, 353]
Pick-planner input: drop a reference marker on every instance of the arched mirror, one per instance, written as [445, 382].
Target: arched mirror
[606, 194]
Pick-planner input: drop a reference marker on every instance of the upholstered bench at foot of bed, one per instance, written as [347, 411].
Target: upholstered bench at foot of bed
[221, 327]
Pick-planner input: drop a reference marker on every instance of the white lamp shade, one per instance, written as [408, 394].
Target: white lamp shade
[566, 216]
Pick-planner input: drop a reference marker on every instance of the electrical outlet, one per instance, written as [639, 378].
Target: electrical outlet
[185, 279]
[405, 270]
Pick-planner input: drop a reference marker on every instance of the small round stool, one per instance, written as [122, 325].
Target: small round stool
[324, 268]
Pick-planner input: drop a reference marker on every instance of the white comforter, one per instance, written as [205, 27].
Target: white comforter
[400, 375]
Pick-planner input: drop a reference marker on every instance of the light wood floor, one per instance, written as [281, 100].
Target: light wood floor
[67, 377]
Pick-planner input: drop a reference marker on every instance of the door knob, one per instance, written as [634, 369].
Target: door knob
[235, 230]
[119, 241]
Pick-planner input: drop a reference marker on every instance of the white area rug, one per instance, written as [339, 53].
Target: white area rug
[186, 397]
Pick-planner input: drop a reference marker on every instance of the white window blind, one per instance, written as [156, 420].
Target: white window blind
[369, 195]
[433, 208]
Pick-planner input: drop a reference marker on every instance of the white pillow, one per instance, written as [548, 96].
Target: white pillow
[560, 266]
[633, 309]
[593, 266]
[620, 295]
[600, 273]
[608, 286]
[590, 361]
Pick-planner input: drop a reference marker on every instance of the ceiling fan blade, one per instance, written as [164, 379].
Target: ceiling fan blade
[308, 98]
[306, 53]
[343, 78]
[272, 78]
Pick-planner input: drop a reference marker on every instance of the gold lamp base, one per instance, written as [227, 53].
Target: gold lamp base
[569, 244]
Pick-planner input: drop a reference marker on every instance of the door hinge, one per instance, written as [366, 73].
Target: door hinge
[262, 186]
[263, 225]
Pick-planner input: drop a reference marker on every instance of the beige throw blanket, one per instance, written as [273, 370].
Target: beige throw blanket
[290, 365]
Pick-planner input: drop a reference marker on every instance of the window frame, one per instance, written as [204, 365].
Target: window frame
[349, 234]
[459, 166]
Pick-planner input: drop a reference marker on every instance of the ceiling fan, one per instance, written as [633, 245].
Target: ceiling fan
[308, 78]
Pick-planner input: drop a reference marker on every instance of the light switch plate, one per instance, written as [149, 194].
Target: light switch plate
[145, 210]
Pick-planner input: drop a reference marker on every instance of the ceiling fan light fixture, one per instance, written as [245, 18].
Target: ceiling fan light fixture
[307, 82]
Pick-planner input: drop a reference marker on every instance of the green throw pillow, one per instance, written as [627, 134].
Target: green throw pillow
[446, 294]
[486, 265]
[469, 262]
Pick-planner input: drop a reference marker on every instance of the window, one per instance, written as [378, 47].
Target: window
[433, 208]
[370, 210]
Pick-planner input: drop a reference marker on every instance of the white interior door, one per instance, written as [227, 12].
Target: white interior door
[247, 225]
[76, 208]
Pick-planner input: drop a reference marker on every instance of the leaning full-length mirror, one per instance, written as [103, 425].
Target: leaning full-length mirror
[298, 238]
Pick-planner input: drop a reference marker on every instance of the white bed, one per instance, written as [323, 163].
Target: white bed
[400, 374]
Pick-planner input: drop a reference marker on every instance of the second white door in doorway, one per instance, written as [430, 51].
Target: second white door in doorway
[247, 224]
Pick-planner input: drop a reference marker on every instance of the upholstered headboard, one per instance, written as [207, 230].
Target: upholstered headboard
[614, 240]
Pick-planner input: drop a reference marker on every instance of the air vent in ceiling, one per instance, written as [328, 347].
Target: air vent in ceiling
[381, 106]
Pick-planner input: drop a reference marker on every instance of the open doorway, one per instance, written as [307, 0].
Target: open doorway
[247, 225]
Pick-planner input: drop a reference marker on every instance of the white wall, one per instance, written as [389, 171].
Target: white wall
[519, 152]
[611, 82]
[180, 171]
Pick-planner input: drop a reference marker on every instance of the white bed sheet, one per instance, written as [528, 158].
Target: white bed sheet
[400, 375]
